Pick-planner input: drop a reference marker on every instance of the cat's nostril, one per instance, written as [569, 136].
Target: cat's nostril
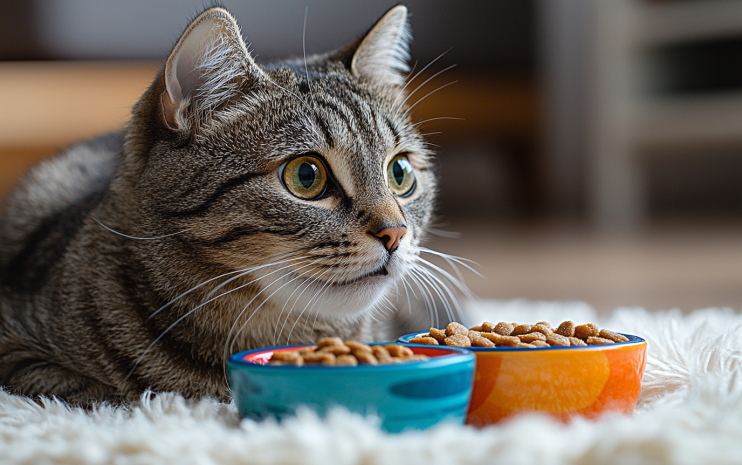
[391, 236]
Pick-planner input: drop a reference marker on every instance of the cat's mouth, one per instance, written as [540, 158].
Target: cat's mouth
[380, 271]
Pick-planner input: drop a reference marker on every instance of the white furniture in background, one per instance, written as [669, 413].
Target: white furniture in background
[600, 123]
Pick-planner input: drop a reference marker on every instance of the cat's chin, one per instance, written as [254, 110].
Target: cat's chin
[355, 299]
[350, 298]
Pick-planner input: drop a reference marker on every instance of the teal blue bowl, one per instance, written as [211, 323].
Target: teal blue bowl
[414, 395]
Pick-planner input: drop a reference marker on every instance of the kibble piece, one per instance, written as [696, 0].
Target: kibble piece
[458, 340]
[573, 341]
[544, 329]
[507, 341]
[456, 328]
[319, 358]
[336, 350]
[522, 329]
[348, 360]
[366, 358]
[479, 341]
[399, 351]
[557, 340]
[424, 340]
[546, 324]
[306, 350]
[504, 329]
[472, 334]
[523, 345]
[530, 337]
[595, 341]
[502, 341]
[356, 346]
[381, 354]
[438, 335]
[585, 331]
[476, 328]
[285, 356]
[539, 343]
[488, 327]
[329, 341]
[566, 329]
[615, 337]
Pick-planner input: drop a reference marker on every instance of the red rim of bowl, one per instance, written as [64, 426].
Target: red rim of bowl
[451, 355]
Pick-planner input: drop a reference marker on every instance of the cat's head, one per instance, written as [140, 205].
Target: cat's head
[308, 174]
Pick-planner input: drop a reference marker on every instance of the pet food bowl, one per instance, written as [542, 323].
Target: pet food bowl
[410, 395]
[561, 381]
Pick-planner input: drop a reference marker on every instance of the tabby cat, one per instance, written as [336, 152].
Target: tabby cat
[243, 206]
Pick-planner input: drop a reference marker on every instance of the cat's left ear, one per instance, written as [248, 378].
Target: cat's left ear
[207, 67]
[381, 55]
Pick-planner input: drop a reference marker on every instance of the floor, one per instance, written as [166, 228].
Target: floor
[672, 265]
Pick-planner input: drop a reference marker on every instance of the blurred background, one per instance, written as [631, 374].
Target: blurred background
[598, 154]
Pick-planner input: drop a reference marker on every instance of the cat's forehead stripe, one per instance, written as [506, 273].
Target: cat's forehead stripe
[360, 121]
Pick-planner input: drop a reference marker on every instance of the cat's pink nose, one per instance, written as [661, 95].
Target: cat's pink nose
[390, 237]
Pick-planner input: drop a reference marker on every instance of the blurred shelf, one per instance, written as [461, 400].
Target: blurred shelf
[659, 23]
[696, 119]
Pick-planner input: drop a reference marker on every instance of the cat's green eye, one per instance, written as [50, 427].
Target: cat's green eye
[305, 177]
[400, 176]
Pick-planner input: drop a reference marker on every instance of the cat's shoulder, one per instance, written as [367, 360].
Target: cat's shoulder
[57, 183]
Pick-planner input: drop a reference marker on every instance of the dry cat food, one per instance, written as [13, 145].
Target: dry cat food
[516, 335]
[333, 351]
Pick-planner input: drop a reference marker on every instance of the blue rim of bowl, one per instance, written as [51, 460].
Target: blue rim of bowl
[460, 356]
[632, 341]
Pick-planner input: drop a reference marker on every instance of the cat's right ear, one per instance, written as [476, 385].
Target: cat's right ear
[208, 66]
[380, 55]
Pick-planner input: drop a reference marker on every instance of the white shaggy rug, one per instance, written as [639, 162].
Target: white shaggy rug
[690, 411]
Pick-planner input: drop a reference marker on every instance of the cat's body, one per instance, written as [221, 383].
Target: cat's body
[142, 259]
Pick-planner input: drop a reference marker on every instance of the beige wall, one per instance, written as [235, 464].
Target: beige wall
[48, 105]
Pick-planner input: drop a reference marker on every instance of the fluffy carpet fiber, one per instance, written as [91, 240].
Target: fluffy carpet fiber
[690, 411]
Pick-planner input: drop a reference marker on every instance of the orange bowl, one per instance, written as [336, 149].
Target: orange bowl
[561, 381]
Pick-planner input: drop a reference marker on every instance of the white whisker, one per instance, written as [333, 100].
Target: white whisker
[191, 290]
[138, 238]
[461, 286]
[264, 302]
[426, 279]
[190, 312]
[441, 284]
[278, 320]
[460, 260]
[314, 278]
[425, 82]
[431, 93]
[409, 81]
[446, 234]
[436, 119]
[250, 270]
[307, 305]
[427, 298]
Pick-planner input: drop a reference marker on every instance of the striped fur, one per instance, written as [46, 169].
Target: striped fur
[142, 259]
